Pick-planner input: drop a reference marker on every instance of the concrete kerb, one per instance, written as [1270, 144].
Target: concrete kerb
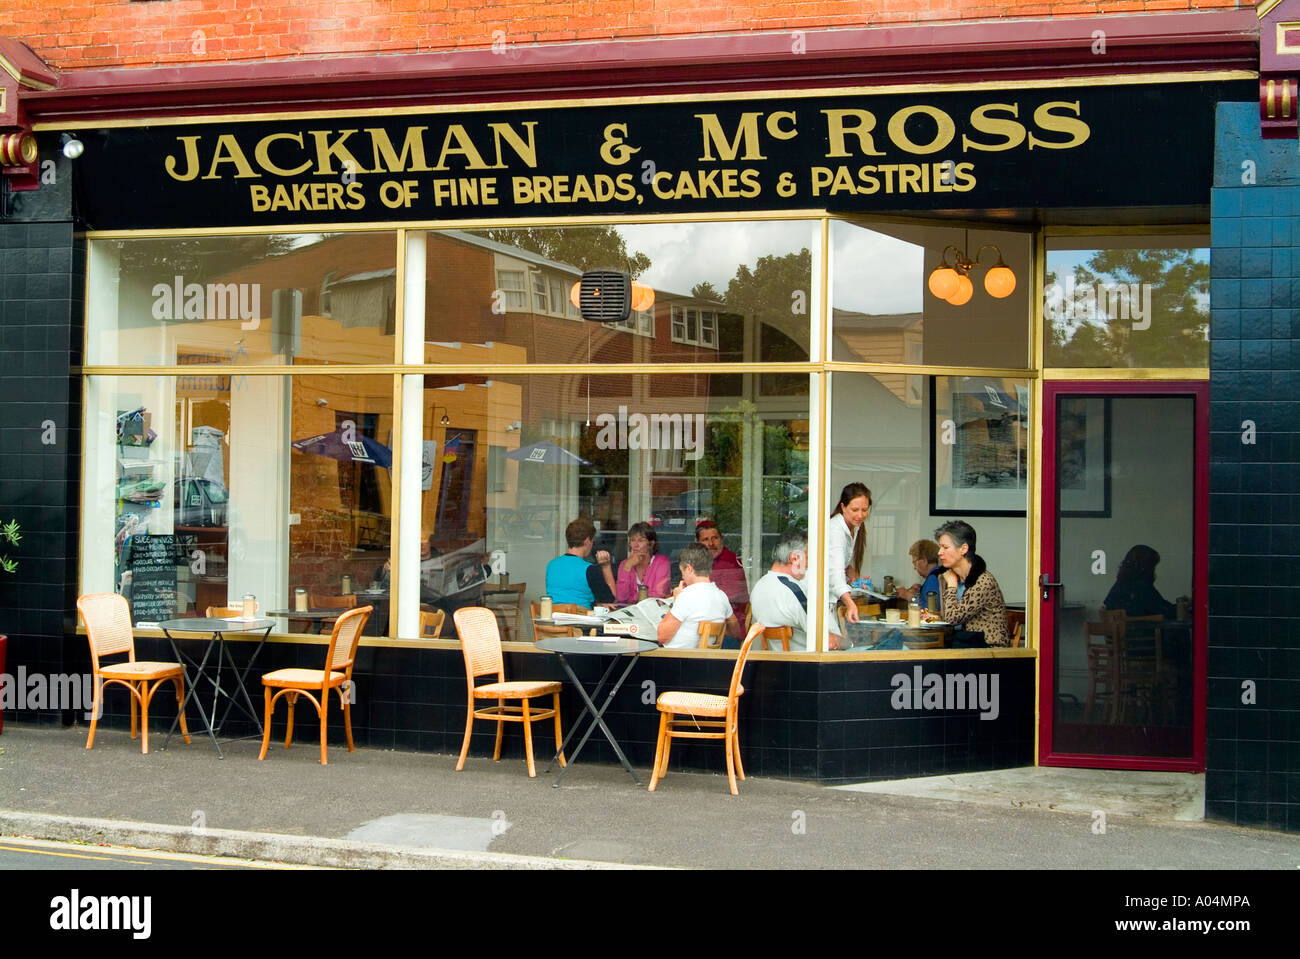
[274, 847]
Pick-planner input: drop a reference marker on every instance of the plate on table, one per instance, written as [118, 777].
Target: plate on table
[934, 623]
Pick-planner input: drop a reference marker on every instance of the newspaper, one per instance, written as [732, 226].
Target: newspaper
[448, 574]
[640, 620]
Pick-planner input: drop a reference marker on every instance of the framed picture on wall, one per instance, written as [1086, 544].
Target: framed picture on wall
[1083, 456]
[979, 446]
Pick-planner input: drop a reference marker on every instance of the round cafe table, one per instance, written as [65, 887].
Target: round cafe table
[613, 647]
[868, 633]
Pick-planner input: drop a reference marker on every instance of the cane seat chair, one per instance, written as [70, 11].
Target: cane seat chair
[337, 674]
[108, 629]
[712, 633]
[480, 642]
[685, 715]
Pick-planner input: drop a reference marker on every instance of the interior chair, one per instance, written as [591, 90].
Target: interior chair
[1016, 626]
[1141, 689]
[337, 674]
[480, 642]
[326, 601]
[704, 716]
[431, 623]
[541, 632]
[224, 612]
[770, 634]
[108, 629]
[509, 610]
[1103, 669]
[712, 632]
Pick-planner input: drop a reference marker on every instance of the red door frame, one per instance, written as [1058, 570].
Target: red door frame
[1199, 391]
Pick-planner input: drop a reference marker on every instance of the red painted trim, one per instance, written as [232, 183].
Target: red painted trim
[1200, 393]
[1013, 50]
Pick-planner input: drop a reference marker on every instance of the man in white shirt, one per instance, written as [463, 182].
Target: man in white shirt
[696, 600]
[778, 598]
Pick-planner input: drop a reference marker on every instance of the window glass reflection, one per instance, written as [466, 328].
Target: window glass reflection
[1127, 301]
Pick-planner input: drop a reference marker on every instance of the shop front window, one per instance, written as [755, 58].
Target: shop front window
[200, 490]
[511, 461]
[1132, 301]
[886, 310]
[720, 290]
[939, 449]
[242, 301]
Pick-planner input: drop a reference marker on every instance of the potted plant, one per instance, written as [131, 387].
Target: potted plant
[8, 532]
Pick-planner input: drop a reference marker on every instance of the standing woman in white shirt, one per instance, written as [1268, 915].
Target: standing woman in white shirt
[846, 544]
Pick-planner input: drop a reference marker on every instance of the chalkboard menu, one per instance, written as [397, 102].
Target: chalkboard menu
[153, 578]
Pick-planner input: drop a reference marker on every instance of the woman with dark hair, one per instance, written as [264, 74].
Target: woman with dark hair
[971, 598]
[1135, 586]
[644, 574]
[846, 544]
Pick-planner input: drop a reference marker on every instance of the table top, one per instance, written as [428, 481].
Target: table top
[606, 646]
[198, 624]
[933, 629]
[307, 613]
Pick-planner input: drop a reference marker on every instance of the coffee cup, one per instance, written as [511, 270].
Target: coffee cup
[893, 616]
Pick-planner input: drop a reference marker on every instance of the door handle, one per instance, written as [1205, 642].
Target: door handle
[1045, 581]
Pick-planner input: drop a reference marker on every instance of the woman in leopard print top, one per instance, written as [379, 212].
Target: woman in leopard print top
[980, 608]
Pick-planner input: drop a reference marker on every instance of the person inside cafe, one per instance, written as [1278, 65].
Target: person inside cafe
[696, 600]
[645, 573]
[846, 545]
[570, 578]
[778, 598]
[971, 597]
[727, 573]
[925, 560]
[1135, 590]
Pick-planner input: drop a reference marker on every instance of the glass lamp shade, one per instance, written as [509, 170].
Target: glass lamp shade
[643, 297]
[574, 292]
[965, 289]
[944, 282]
[1000, 281]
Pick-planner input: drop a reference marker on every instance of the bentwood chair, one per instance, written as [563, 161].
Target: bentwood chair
[224, 612]
[337, 674]
[1016, 626]
[704, 716]
[1103, 669]
[480, 642]
[325, 601]
[711, 634]
[108, 628]
[431, 623]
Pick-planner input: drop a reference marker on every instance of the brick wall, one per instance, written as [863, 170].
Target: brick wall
[114, 33]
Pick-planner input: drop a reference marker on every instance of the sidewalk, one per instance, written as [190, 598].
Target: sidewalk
[383, 809]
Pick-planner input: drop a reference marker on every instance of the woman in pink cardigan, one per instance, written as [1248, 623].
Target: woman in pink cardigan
[644, 574]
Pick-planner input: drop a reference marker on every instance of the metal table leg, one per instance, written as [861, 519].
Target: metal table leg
[199, 671]
[598, 716]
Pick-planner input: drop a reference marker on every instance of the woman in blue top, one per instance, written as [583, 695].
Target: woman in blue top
[570, 578]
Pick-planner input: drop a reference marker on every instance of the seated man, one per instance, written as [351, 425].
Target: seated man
[570, 578]
[695, 600]
[728, 574]
[925, 560]
[971, 597]
[778, 598]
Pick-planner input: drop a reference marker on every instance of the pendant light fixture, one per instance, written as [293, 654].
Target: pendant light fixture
[953, 283]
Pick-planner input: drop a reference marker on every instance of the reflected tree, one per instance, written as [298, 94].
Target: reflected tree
[587, 248]
[1130, 307]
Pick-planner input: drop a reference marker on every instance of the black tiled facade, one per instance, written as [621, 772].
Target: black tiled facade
[1253, 724]
[42, 270]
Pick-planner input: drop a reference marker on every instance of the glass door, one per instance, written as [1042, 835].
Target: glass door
[1123, 585]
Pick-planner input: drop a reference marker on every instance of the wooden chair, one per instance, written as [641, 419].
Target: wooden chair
[782, 634]
[480, 642]
[1016, 626]
[325, 601]
[1103, 668]
[108, 629]
[1140, 683]
[431, 622]
[509, 610]
[337, 674]
[712, 633]
[541, 632]
[704, 716]
[224, 612]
